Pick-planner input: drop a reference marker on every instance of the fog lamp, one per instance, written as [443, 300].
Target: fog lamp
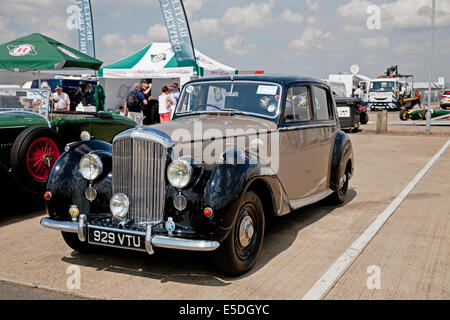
[119, 205]
[180, 202]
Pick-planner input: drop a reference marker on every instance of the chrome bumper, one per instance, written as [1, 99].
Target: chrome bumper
[80, 227]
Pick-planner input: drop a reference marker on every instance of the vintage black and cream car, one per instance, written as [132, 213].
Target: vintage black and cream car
[238, 151]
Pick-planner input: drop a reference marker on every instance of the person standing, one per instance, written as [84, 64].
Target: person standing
[61, 100]
[175, 92]
[165, 105]
[359, 93]
[134, 103]
[147, 109]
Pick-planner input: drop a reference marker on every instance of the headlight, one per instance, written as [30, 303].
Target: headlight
[119, 205]
[179, 173]
[91, 166]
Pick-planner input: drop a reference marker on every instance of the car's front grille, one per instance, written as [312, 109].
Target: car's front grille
[138, 172]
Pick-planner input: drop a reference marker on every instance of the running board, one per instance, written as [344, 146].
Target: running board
[302, 202]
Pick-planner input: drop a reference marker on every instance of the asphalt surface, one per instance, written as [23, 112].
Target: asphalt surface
[410, 252]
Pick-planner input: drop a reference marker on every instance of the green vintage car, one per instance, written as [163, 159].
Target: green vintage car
[32, 138]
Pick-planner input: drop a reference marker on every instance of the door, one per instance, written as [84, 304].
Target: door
[297, 144]
[306, 132]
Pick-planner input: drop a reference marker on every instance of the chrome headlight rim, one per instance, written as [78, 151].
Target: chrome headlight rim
[98, 166]
[121, 198]
[189, 169]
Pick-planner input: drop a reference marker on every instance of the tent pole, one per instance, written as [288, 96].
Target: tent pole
[39, 78]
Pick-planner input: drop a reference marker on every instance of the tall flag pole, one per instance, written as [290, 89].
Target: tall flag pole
[179, 33]
[86, 41]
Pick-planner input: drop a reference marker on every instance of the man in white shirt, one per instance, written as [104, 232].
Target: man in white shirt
[61, 101]
[359, 93]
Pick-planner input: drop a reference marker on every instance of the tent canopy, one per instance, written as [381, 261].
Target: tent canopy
[38, 52]
[157, 60]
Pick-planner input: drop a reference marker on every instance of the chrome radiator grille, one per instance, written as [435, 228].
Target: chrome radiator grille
[138, 172]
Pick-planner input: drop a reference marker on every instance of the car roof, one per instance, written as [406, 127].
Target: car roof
[281, 79]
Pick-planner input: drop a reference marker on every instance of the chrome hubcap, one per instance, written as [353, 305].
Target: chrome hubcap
[47, 159]
[246, 231]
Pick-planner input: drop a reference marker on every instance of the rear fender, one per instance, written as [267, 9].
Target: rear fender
[341, 155]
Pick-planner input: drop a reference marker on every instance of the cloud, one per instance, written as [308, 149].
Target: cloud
[374, 42]
[397, 14]
[205, 27]
[157, 32]
[291, 17]
[311, 38]
[253, 15]
[312, 5]
[6, 35]
[239, 46]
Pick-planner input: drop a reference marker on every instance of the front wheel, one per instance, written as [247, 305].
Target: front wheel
[239, 251]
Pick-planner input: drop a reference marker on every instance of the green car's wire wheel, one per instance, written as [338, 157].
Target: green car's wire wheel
[404, 115]
[41, 156]
[33, 155]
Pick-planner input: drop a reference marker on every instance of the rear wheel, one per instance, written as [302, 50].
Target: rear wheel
[338, 197]
[237, 254]
[33, 155]
[364, 118]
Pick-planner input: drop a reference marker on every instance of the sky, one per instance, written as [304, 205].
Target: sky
[303, 37]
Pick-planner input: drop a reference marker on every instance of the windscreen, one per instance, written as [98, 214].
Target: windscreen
[382, 86]
[32, 100]
[257, 98]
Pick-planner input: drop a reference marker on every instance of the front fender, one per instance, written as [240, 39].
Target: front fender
[228, 184]
[341, 155]
[67, 185]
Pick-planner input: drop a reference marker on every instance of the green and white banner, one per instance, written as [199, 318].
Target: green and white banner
[179, 33]
[86, 28]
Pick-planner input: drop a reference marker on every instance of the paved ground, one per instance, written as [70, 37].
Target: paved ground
[411, 250]
[398, 127]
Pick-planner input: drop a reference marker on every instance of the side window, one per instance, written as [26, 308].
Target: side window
[297, 105]
[321, 104]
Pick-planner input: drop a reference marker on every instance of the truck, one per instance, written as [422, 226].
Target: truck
[392, 91]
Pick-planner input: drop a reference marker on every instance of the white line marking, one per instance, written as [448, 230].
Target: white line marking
[329, 278]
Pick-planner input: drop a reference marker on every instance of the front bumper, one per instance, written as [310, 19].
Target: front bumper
[151, 240]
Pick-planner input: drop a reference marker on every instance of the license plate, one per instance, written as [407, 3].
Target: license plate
[343, 112]
[116, 238]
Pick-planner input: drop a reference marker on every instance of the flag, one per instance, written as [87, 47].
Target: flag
[86, 41]
[179, 32]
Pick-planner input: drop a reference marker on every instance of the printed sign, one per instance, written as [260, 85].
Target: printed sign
[158, 57]
[178, 30]
[22, 50]
[268, 90]
[343, 112]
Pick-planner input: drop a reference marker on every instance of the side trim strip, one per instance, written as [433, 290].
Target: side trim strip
[302, 202]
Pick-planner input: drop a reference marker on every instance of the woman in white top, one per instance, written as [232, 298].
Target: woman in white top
[165, 105]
